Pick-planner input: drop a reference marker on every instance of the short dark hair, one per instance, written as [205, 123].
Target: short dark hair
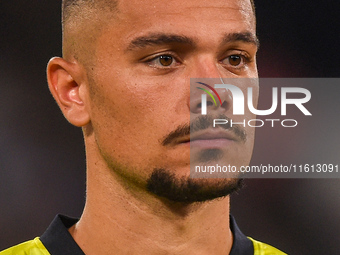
[69, 5]
[75, 29]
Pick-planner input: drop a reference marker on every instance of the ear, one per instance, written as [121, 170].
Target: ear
[67, 83]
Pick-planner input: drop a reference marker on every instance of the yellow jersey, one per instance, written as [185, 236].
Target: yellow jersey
[58, 241]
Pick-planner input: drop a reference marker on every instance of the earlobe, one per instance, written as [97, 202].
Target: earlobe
[68, 87]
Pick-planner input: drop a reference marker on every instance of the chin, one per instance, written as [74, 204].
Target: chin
[165, 184]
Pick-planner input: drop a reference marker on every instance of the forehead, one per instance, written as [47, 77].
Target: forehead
[189, 17]
[153, 7]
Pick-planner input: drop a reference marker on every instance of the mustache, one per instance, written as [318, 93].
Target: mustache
[201, 123]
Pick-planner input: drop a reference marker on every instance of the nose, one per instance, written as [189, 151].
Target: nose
[204, 97]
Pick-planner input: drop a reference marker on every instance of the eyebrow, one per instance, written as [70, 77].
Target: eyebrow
[246, 37]
[162, 38]
[159, 39]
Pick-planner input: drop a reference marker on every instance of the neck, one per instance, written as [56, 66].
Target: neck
[121, 220]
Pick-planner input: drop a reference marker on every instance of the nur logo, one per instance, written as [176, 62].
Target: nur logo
[238, 100]
[204, 97]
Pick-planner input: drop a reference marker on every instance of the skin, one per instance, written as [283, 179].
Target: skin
[126, 101]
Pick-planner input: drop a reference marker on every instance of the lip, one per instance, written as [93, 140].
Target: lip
[210, 138]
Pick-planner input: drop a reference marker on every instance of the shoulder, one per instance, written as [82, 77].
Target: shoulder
[264, 249]
[33, 247]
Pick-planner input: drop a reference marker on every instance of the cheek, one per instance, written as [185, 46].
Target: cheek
[130, 119]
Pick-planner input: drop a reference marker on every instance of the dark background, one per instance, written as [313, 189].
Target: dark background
[42, 163]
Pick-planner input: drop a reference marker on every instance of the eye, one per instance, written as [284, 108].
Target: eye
[163, 61]
[166, 60]
[236, 61]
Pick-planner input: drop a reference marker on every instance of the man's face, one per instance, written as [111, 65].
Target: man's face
[140, 83]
